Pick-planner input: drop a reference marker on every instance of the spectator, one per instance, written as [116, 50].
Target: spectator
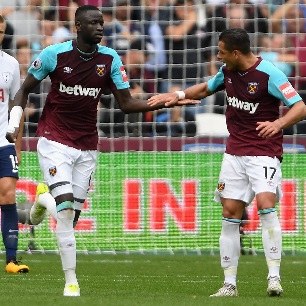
[163, 122]
[65, 29]
[9, 6]
[23, 56]
[62, 9]
[152, 14]
[134, 60]
[47, 28]
[62, 13]
[61, 34]
[174, 122]
[278, 52]
[120, 31]
[7, 43]
[113, 122]
[25, 22]
[256, 15]
[289, 19]
[253, 19]
[183, 45]
[273, 5]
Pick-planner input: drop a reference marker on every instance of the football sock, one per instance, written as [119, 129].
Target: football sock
[76, 217]
[46, 200]
[271, 240]
[230, 249]
[67, 243]
[9, 229]
[78, 205]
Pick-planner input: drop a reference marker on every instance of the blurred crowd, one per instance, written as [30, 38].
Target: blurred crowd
[165, 45]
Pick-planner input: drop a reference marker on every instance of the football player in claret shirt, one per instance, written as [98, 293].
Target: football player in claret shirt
[9, 159]
[251, 165]
[80, 70]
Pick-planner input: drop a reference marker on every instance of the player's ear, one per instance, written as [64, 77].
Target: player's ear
[77, 25]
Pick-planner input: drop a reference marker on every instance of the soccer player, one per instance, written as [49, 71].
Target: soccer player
[9, 158]
[251, 165]
[80, 70]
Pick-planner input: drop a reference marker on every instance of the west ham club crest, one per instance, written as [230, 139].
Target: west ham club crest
[100, 70]
[253, 87]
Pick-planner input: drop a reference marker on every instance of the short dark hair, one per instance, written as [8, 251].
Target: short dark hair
[236, 39]
[81, 10]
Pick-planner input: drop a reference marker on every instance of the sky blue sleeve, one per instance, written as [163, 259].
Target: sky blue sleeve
[216, 81]
[280, 87]
[118, 73]
[44, 63]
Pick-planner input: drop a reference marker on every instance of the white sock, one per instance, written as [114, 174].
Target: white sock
[230, 249]
[272, 241]
[46, 200]
[67, 244]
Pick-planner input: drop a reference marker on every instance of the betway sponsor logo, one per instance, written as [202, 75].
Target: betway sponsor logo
[247, 106]
[78, 90]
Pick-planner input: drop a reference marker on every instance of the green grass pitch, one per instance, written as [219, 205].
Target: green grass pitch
[150, 280]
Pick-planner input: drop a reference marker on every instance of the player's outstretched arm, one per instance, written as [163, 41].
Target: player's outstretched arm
[20, 102]
[128, 104]
[191, 95]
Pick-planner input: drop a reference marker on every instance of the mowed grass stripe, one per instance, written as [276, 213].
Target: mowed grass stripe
[150, 280]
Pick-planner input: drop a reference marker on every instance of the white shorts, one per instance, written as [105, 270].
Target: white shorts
[61, 163]
[243, 177]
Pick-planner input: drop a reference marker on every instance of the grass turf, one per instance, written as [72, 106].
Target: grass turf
[150, 280]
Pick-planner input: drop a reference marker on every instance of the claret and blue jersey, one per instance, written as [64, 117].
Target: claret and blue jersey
[253, 96]
[78, 81]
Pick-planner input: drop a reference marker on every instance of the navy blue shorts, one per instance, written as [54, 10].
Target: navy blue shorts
[8, 162]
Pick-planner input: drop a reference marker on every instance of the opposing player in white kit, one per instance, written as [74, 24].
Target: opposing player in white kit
[80, 70]
[251, 164]
[9, 158]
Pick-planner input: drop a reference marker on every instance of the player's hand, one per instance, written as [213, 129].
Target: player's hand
[166, 99]
[267, 129]
[12, 136]
[169, 100]
[188, 102]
